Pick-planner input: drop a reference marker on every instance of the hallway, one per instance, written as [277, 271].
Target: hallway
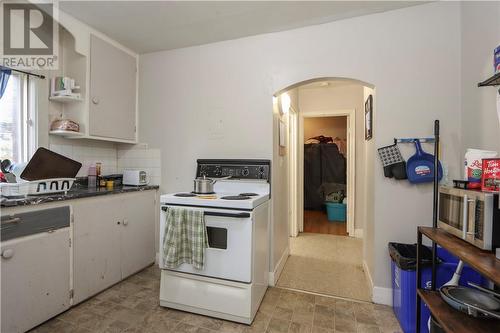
[316, 221]
[326, 264]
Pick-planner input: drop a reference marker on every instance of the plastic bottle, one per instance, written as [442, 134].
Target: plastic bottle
[14, 168]
[92, 177]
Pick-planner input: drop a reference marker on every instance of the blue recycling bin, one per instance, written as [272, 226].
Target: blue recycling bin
[404, 283]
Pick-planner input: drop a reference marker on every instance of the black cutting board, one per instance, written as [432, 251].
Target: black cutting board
[46, 164]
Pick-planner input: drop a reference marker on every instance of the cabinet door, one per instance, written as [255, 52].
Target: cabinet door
[97, 227]
[138, 231]
[112, 91]
[35, 279]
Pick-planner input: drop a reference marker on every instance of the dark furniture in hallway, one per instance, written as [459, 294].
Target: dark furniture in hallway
[324, 172]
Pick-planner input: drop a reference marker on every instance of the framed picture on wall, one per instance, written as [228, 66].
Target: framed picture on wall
[369, 118]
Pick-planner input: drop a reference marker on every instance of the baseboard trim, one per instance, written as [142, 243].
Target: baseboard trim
[275, 275]
[358, 233]
[368, 276]
[382, 296]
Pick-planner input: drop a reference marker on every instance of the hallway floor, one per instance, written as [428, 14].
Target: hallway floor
[316, 221]
[326, 264]
[132, 306]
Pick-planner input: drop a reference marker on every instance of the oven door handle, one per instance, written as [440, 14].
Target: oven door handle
[235, 215]
[219, 214]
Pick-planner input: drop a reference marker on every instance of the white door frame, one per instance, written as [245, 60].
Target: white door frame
[297, 195]
[293, 176]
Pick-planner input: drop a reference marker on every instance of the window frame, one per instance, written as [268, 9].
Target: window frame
[28, 122]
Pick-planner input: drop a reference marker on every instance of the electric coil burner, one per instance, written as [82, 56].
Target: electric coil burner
[236, 261]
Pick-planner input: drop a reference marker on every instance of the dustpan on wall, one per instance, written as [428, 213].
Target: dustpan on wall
[420, 167]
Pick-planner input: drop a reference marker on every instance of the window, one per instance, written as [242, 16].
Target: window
[17, 119]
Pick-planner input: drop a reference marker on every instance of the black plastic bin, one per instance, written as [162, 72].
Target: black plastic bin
[405, 255]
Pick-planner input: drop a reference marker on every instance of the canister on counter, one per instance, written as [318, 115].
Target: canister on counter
[474, 166]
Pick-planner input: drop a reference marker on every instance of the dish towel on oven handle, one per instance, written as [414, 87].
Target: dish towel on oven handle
[185, 238]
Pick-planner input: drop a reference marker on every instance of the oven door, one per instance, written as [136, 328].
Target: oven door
[229, 255]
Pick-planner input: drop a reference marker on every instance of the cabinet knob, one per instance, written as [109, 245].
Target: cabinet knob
[8, 253]
[95, 100]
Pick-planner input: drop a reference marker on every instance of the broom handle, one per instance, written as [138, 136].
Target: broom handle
[435, 201]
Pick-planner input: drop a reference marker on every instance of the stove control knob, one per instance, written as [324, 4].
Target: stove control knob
[245, 172]
[218, 171]
[261, 172]
[203, 170]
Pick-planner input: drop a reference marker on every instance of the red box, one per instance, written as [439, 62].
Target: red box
[490, 180]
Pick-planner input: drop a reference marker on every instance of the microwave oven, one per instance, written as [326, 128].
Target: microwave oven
[471, 215]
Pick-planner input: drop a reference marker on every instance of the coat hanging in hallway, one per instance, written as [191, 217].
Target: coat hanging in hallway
[324, 172]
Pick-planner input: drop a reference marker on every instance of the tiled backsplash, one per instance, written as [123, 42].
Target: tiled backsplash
[137, 157]
[88, 154]
[114, 158]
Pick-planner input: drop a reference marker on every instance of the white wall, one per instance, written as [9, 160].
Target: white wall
[327, 126]
[480, 35]
[216, 100]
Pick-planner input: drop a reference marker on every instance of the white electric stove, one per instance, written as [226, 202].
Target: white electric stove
[235, 277]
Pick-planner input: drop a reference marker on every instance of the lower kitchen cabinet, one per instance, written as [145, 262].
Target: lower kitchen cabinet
[138, 232]
[35, 279]
[113, 238]
[96, 249]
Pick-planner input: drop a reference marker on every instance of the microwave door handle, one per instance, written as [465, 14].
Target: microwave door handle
[465, 217]
[473, 226]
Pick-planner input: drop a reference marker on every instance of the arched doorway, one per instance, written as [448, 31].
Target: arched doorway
[320, 101]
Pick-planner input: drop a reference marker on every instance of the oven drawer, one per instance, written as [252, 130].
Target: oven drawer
[222, 299]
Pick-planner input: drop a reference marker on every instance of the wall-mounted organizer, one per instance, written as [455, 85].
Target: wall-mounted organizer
[418, 169]
[412, 140]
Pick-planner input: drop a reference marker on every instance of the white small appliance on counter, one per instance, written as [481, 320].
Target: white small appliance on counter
[235, 277]
[135, 177]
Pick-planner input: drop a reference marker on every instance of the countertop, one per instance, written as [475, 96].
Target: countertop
[77, 191]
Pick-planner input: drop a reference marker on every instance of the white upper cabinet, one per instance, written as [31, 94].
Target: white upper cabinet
[106, 73]
[113, 91]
